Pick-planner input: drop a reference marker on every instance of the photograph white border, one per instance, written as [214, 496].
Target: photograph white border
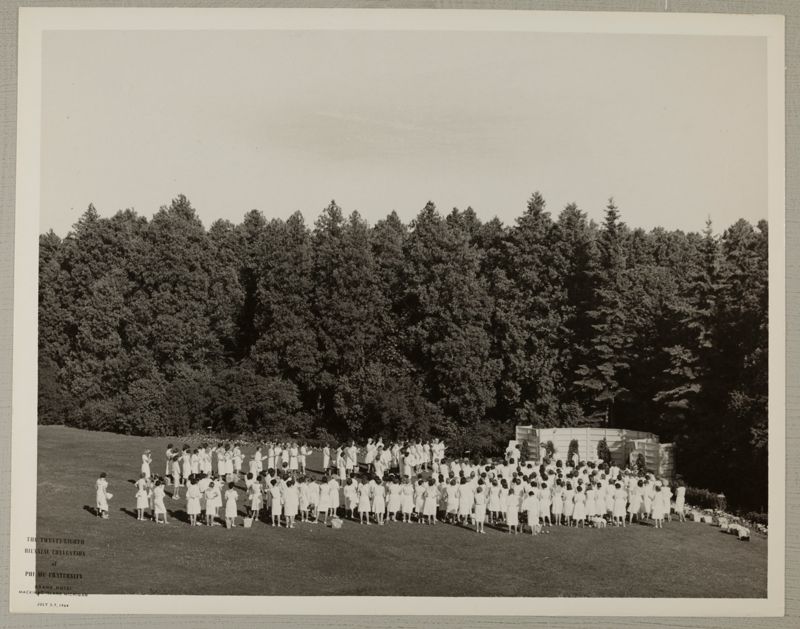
[34, 22]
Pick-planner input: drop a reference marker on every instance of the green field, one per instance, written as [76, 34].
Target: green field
[125, 556]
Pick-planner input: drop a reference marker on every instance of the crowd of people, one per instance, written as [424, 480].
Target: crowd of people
[404, 482]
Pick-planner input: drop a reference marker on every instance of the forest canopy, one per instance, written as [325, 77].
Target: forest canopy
[445, 327]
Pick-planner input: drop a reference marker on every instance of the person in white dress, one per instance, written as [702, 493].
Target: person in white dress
[579, 508]
[193, 502]
[231, 510]
[350, 491]
[430, 498]
[658, 507]
[142, 496]
[680, 502]
[255, 499]
[480, 509]
[147, 459]
[379, 500]
[531, 507]
[326, 458]
[101, 496]
[512, 512]
[466, 500]
[364, 501]
[168, 467]
[393, 503]
[212, 498]
[291, 503]
[333, 496]
[275, 502]
[159, 509]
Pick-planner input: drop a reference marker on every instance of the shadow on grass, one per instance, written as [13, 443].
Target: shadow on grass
[91, 510]
[129, 512]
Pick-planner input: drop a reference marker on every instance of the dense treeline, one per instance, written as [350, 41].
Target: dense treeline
[448, 327]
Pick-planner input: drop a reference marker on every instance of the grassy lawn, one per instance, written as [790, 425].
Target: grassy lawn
[124, 556]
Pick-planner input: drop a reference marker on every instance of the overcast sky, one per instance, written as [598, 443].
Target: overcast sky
[673, 127]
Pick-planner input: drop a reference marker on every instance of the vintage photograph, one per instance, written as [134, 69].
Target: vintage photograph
[460, 310]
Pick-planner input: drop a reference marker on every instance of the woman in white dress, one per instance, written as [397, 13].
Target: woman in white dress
[395, 499]
[544, 503]
[341, 466]
[379, 500]
[351, 497]
[255, 499]
[512, 511]
[211, 496]
[364, 501]
[620, 502]
[326, 458]
[275, 502]
[406, 499]
[323, 504]
[480, 508]
[333, 496]
[142, 496]
[193, 502]
[466, 499]
[159, 509]
[147, 458]
[168, 468]
[291, 503]
[658, 507]
[231, 511]
[271, 456]
[680, 502]
[431, 497]
[531, 507]
[294, 454]
[102, 496]
[579, 507]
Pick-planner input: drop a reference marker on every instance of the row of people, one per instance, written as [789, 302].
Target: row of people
[570, 499]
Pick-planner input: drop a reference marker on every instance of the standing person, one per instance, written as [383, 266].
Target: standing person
[176, 476]
[341, 466]
[326, 458]
[680, 502]
[275, 502]
[512, 511]
[466, 499]
[620, 503]
[351, 457]
[480, 509]
[579, 507]
[333, 496]
[493, 500]
[142, 497]
[159, 509]
[406, 499]
[291, 502]
[147, 459]
[255, 499]
[270, 456]
[231, 511]
[544, 504]
[658, 507]
[635, 497]
[395, 498]
[364, 501]
[193, 501]
[379, 501]
[168, 466]
[531, 507]
[211, 495]
[350, 497]
[294, 455]
[451, 502]
[430, 498]
[559, 502]
[102, 496]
